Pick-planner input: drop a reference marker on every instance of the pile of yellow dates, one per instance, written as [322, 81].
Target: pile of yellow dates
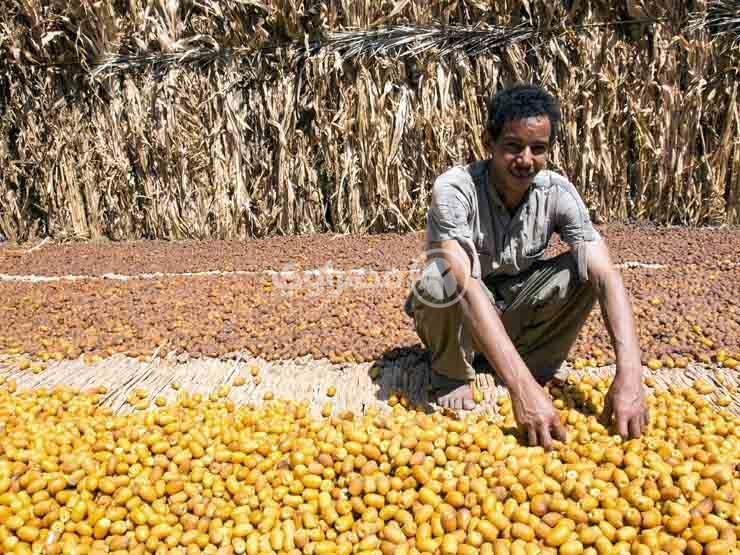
[203, 475]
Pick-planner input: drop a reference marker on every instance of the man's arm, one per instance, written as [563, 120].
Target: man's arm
[532, 407]
[626, 398]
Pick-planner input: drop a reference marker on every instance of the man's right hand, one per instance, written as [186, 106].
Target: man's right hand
[535, 413]
[533, 409]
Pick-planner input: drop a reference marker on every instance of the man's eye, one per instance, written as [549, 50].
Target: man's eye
[539, 150]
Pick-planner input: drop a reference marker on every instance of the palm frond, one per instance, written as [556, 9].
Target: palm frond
[397, 41]
[412, 40]
[107, 64]
[193, 51]
[721, 19]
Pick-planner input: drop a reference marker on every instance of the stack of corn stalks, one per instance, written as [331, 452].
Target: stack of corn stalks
[170, 119]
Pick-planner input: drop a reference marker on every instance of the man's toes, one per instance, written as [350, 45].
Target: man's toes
[456, 402]
[460, 398]
[448, 402]
[445, 401]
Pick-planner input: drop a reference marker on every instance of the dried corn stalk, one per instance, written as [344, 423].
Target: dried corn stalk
[202, 124]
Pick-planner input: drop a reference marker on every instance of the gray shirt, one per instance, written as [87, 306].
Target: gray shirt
[464, 208]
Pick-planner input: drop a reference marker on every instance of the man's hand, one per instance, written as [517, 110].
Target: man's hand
[533, 409]
[535, 413]
[626, 402]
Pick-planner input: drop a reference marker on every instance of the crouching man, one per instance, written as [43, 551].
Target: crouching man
[488, 288]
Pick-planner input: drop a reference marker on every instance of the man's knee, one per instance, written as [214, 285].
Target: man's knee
[564, 284]
[437, 286]
[434, 321]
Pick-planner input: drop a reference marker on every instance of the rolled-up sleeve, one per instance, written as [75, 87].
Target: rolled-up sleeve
[574, 226]
[450, 215]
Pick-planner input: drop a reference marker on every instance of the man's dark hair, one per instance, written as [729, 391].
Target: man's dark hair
[520, 102]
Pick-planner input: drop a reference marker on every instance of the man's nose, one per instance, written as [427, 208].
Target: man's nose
[525, 157]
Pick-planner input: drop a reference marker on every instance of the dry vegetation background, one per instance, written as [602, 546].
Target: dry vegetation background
[249, 144]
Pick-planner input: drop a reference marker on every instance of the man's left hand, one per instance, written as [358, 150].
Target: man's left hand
[626, 402]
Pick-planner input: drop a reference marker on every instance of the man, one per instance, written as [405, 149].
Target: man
[488, 288]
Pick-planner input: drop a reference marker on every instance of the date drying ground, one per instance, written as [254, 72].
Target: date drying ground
[684, 284]
[705, 248]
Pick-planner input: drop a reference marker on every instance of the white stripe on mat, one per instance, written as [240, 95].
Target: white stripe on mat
[31, 278]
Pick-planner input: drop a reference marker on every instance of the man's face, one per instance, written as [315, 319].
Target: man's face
[520, 152]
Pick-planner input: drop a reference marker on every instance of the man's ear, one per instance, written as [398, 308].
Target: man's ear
[488, 140]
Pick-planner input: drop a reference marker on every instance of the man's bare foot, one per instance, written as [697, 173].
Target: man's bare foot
[452, 394]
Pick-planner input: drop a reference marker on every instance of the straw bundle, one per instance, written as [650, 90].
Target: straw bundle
[169, 119]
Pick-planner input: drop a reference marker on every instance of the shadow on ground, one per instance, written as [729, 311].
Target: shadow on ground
[405, 372]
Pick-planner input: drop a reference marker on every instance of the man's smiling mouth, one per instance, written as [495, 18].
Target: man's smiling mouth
[522, 173]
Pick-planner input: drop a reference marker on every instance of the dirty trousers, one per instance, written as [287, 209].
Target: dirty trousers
[542, 310]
